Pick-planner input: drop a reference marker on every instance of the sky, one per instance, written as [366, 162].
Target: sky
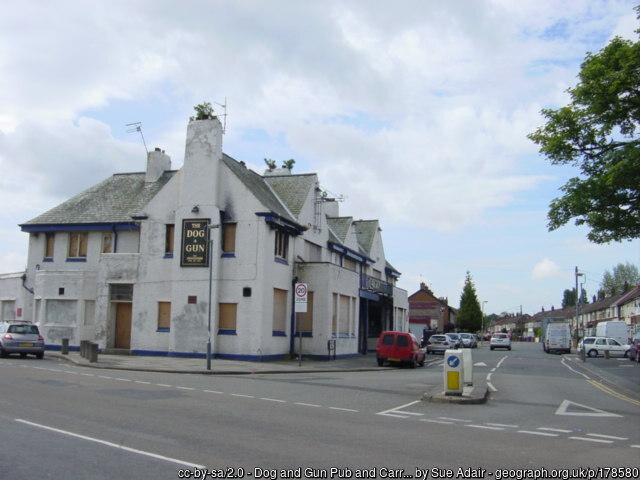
[414, 112]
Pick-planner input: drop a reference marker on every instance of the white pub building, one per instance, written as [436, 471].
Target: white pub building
[152, 263]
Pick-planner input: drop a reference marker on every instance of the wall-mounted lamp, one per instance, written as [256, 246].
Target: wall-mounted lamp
[195, 209]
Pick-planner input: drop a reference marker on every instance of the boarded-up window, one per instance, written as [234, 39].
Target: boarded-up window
[107, 242]
[49, 245]
[228, 316]
[281, 249]
[78, 242]
[344, 314]
[305, 320]
[164, 315]
[8, 310]
[168, 238]
[334, 314]
[349, 264]
[279, 310]
[228, 238]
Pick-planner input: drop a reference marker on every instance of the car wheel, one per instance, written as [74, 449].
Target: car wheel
[40, 355]
[509, 348]
[3, 354]
[422, 362]
[23, 355]
[380, 362]
[412, 363]
[592, 353]
[491, 348]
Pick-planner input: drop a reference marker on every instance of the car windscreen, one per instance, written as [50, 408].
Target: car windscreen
[23, 329]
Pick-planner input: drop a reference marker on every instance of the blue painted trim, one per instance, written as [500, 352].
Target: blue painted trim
[163, 330]
[80, 227]
[278, 333]
[47, 259]
[280, 260]
[74, 259]
[227, 332]
[168, 255]
[228, 255]
[369, 296]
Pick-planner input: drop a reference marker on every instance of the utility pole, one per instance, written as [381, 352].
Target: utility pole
[582, 354]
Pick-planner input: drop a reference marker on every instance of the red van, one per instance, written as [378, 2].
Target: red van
[399, 347]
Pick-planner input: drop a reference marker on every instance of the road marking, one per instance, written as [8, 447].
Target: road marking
[123, 379]
[393, 412]
[543, 434]
[489, 376]
[491, 387]
[270, 399]
[240, 395]
[429, 420]
[185, 388]
[487, 427]
[573, 370]
[587, 411]
[480, 364]
[113, 445]
[502, 425]
[559, 430]
[613, 392]
[502, 360]
[610, 437]
[344, 409]
[163, 385]
[454, 419]
[143, 383]
[214, 391]
[307, 404]
[595, 440]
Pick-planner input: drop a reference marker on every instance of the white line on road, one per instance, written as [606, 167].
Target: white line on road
[486, 427]
[429, 420]
[344, 409]
[391, 411]
[559, 430]
[610, 437]
[185, 388]
[502, 360]
[240, 395]
[454, 419]
[307, 404]
[110, 444]
[574, 371]
[542, 434]
[595, 440]
[270, 399]
[491, 387]
[214, 391]
[502, 425]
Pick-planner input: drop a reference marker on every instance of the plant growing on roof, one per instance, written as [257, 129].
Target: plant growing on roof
[204, 111]
[288, 164]
[271, 164]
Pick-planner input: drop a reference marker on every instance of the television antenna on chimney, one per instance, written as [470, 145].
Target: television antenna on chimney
[224, 115]
[137, 127]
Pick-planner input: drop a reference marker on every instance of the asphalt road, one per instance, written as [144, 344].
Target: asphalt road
[63, 421]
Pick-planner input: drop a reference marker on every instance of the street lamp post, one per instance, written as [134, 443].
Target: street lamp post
[210, 227]
[482, 323]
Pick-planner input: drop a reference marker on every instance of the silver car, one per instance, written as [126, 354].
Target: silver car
[439, 343]
[469, 340]
[21, 337]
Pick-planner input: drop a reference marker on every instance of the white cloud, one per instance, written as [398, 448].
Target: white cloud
[546, 269]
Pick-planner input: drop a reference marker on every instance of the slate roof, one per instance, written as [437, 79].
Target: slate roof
[340, 226]
[259, 187]
[114, 200]
[365, 232]
[293, 190]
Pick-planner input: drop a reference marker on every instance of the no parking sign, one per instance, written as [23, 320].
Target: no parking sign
[301, 298]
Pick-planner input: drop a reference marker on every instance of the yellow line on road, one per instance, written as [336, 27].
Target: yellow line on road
[613, 392]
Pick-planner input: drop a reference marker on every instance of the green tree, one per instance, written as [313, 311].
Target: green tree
[469, 318]
[597, 132]
[569, 298]
[204, 111]
[624, 276]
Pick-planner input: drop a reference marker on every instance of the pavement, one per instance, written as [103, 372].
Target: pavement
[477, 393]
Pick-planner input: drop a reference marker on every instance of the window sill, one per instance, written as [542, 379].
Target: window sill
[168, 255]
[47, 259]
[227, 332]
[76, 259]
[280, 260]
[228, 255]
[278, 333]
[163, 330]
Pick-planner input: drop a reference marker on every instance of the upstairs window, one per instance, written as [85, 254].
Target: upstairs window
[281, 245]
[78, 242]
[168, 239]
[107, 242]
[228, 238]
[49, 245]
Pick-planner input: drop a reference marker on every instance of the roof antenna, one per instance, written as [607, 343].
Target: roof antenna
[137, 127]
[224, 120]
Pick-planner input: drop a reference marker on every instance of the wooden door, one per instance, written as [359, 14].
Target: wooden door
[123, 325]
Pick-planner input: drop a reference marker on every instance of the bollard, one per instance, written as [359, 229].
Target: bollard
[606, 354]
[83, 348]
[64, 349]
[93, 352]
[453, 372]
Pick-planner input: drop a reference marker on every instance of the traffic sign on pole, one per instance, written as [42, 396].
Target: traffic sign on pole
[301, 298]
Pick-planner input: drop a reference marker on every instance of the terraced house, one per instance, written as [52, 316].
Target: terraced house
[166, 262]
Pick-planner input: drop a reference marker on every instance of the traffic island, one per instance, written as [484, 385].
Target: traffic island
[471, 395]
[458, 381]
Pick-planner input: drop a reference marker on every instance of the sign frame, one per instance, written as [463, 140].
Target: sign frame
[194, 247]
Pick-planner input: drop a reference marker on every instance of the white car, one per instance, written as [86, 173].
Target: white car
[469, 340]
[500, 340]
[594, 346]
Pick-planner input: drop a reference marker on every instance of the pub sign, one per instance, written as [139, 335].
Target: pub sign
[194, 251]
